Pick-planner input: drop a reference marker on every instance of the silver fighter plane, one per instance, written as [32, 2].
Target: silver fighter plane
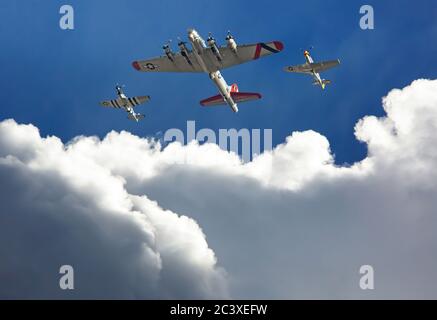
[126, 103]
[314, 68]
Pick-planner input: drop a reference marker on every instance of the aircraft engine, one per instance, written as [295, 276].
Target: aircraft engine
[212, 44]
[168, 52]
[184, 51]
[231, 42]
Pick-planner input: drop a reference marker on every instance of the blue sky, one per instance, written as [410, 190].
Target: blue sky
[55, 79]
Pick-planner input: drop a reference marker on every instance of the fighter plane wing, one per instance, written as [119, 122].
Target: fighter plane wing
[128, 102]
[325, 65]
[247, 52]
[135, 101]
[164, 64]
[313, 67]
[303, 68]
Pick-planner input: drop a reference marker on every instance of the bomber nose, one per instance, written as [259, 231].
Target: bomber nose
[192, 33]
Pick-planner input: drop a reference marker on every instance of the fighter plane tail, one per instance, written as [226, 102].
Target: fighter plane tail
[136, 117]
[323, 84]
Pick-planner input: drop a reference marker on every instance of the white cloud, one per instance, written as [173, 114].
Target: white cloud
[59, 206]
[290, 224]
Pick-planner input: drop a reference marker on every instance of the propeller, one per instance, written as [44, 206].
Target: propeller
[180, 41]
[119, 88]
[167, 44]
[310, 48]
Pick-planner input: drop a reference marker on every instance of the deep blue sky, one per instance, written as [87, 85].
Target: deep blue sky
[55, 79]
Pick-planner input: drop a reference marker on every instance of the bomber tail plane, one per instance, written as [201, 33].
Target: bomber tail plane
[235, 98]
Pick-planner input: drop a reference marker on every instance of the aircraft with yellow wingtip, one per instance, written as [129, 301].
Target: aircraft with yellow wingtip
[314, 68]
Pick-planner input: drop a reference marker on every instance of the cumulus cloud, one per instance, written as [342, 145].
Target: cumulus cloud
[61, 207]
[290, 224]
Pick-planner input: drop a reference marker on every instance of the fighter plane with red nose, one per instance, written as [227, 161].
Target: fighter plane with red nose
[210, 58]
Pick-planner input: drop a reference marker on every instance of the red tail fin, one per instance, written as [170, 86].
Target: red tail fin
[234, 88]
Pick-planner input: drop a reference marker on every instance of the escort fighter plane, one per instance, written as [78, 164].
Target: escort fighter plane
[314, 68]
[126, 103]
